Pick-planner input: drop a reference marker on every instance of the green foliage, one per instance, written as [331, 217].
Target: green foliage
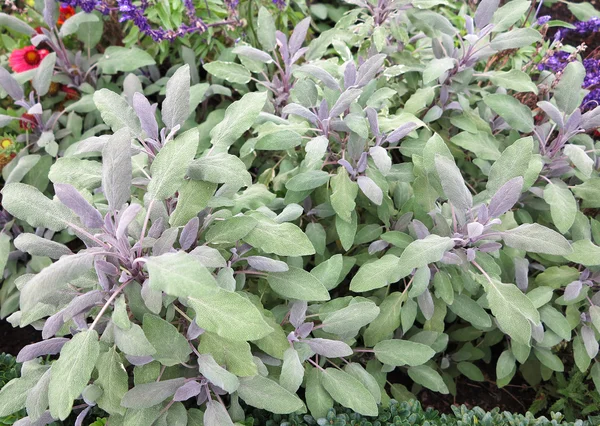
[346, 203]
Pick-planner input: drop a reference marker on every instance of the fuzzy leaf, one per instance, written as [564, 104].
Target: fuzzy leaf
[263, 393]
[72, 371]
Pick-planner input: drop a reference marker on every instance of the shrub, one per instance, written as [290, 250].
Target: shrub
[378, 199]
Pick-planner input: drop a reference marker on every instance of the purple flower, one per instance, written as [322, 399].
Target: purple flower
[543, 20]
[556, 63]
[581, 28]
[591, 100]
[281, 4]
[231, 4]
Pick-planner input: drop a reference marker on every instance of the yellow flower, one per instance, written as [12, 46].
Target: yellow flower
[6, 143]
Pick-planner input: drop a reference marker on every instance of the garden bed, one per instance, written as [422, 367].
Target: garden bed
[286, 212]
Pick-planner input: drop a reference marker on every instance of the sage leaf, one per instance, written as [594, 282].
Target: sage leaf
[71, 373]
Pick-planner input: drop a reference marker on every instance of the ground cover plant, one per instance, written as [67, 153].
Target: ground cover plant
[292, 212]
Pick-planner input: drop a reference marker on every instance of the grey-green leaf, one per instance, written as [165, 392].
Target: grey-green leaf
[72, 371]
[171, 163]
[298, 284]
[264, 393]
[535, 238]
[517, 115]
[239, 117]
[230, 315]
[29, 204]
[176, 106]
[397, 352]
[172, 348]
[349, 392]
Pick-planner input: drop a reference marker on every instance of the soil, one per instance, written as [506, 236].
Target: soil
[12, 340]
[486, 395]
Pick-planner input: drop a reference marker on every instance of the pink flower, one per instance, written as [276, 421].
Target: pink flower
[27, 58]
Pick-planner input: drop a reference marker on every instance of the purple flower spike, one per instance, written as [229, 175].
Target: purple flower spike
[543, 20]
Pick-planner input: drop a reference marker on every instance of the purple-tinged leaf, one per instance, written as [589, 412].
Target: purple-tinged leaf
[320, 74]
[506, 197]
[400, 132]
[139, 360]
[52, 325]
[323, 110]
[471, 254]
[403, 222]
[361, 165]
[43, 348]
[102, 278]
[157, 228]
[147, 114]
[166, 241]
[469, 25]
[329, 348]
[187, 391]
[194, 331]
[552, 112]
[377, 246]
[591, 119]
[589, 341]
[347, 165]
[490, 247]
[483, 214]
[344, 101]
[574, 121]
[373, 121]
[474, 229]
[70, 197]
[36, 109]
[300, 53]
[10, 85]
[81, 417]
[349, 74]
[50, 13]
[282, 42]
[521, 272]
[82, 303]
[537, 332]
[305, 329]
[572, 290]
[189, 233]
[267, 264]
[451, 259]
[299, 110]
[299, 35]
[420, 229]
[44, 420]
[298, 312]
[370, 189]
[147, 395]
[485, 11]
[369, 69]
[107, 267]
[126, 217]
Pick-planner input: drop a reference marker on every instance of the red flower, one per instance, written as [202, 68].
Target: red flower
[70, 93]
[39, 30]
[27, 122]
[65, 13]
[27, 58]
